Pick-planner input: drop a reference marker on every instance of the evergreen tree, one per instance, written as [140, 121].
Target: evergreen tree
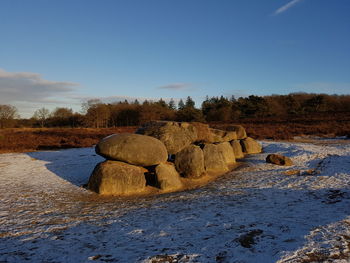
[171, 104]
[181, 105]
[189, 102]
[162, 103]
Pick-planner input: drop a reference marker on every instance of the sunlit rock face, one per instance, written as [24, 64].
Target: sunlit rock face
[250, 146]
[237, 149]
[190, 162]
[117, 178]
[227, 152]
[133, 149]
[168, 178]
[164, 157]
[175, 135]
[239, 129]
[214, 160]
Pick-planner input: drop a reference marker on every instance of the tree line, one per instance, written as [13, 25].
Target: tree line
[96, 114]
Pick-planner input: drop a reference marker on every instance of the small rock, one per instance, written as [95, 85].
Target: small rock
[279, 160]
[292, 172]
[94, 257]
[249, 239]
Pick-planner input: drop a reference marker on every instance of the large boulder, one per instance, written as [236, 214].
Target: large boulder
[237, 149]
[222, 136]
[117, 178]
[279, 160]
[175, 135]
[133, 149]
[204, 133]
[214, 160]
[168, 178]
[239, 129]
[226, 150]
[189, 162]
[250, 146]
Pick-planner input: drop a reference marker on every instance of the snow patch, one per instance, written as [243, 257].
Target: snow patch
[257, 213]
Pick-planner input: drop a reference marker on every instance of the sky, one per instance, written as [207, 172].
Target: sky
[60, 53]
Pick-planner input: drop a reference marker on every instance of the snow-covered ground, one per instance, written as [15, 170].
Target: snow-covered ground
[257, 213]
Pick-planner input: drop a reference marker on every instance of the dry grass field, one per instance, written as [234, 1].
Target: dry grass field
[36, 139]
[330, 125]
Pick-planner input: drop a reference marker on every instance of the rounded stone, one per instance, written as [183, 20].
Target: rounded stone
[226, 149]
[240, 131]
[168, 178]
[134, 149]
[279, 159]
[237, 149]
[214, 160]
[117, 178]
[175, 135]
[250, 146]
[189, 162]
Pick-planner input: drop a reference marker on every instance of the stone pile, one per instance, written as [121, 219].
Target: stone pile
[167, 156]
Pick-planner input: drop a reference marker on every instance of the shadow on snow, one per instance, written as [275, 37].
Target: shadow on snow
[72, 165]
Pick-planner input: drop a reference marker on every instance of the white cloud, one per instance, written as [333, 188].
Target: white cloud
[286, 6]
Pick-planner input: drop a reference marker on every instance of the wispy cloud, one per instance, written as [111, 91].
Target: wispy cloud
[31, 87]
[286, 6]
[177, 86]
[29, 91]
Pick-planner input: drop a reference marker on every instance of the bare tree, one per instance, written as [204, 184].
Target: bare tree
[8, 114]
[62, 113]
[88, 104]
[62, 117]
[41, 115]
[97, 113]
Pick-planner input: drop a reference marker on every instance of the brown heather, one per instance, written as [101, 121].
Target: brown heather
[34, 139]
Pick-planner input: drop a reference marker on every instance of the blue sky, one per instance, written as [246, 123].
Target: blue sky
[60, 53]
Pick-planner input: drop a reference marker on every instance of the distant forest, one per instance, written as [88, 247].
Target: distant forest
[96, 114]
